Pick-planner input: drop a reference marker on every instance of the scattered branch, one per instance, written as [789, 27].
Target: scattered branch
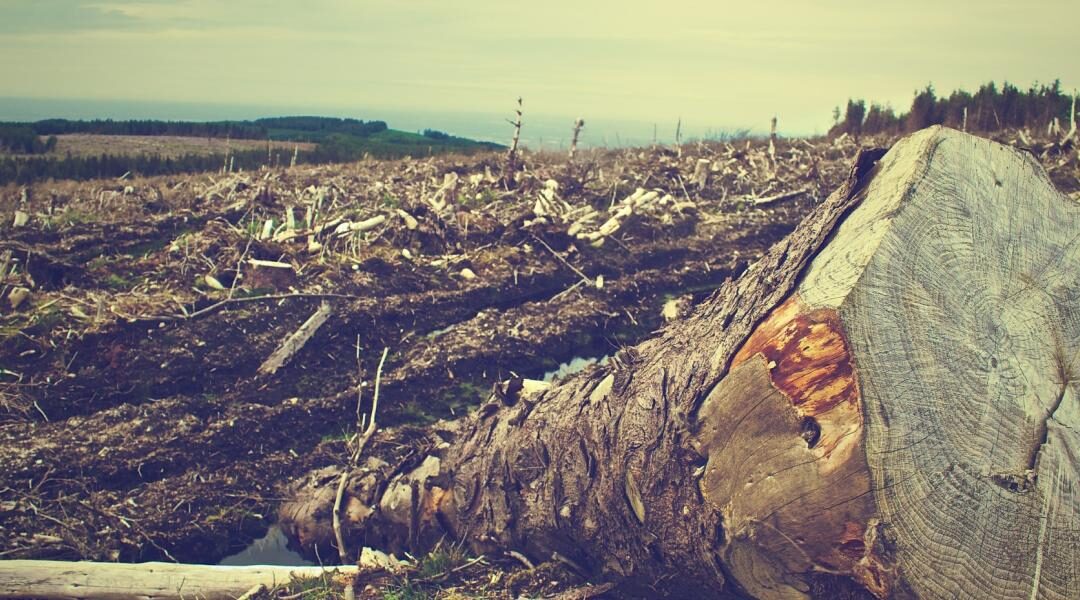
[296, 341]
[780, 197]
[358, 442]
[588, 281]
[213, 308]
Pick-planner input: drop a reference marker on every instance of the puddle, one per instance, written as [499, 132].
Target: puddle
[271, 549]
[576, 364]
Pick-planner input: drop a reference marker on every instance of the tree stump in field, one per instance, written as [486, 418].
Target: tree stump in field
[886, 405]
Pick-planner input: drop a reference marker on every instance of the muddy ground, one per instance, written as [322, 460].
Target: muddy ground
[134, 424]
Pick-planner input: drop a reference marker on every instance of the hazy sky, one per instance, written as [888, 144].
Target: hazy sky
[714, 63]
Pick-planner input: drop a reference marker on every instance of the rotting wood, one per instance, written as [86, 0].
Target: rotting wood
[296, 341]
[57, 580]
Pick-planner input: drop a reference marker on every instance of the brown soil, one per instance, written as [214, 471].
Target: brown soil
[133, 424]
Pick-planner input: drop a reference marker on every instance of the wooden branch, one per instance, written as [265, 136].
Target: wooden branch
[588, 281]
[296, 341]
[61, 580]
[360, 442]
[780, 197]
[213, 308]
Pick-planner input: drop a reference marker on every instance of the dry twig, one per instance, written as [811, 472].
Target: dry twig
[358, 443]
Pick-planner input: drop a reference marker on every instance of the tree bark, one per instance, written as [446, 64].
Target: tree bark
[884, 406]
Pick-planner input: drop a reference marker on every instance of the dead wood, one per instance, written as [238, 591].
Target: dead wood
[292, 344]
[780, 197]
[54, 580]
[773, 443]
[143, 435]
[511, 166]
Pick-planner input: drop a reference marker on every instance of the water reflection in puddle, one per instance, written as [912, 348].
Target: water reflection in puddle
[271, 549]
[576, 364]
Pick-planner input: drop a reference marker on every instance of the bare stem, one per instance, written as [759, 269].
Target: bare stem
[511, 155]
[578, 124]
[358, 447]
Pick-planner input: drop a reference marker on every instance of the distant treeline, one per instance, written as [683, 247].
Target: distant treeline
[18, 137]
[332, 149]
[22, 139]
[989, 109]
[31, 169]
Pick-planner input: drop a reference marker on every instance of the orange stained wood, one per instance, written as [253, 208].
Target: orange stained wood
[810, 363]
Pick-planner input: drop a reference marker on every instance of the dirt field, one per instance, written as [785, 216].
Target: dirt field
[135, 424]
[170, 146]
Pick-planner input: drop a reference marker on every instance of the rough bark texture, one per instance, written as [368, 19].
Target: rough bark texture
[892, 413]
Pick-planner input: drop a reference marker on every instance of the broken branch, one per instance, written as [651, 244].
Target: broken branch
[296, 341]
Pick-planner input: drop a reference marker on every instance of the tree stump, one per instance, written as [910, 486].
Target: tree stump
[885, 405]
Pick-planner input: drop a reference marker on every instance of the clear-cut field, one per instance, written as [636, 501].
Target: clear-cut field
[135, 423]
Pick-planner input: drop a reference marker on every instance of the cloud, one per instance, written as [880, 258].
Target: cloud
[709, 61]
[48, 16]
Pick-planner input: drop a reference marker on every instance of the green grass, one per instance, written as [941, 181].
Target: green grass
[485, 197]
[390, 144]
[117, 283]
[389, 200]
[405, 591]
[440, 562]
[322, 587]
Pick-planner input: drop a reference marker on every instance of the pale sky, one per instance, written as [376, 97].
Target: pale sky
[712, 63]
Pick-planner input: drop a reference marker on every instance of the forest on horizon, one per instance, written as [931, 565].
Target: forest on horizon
[990, 108]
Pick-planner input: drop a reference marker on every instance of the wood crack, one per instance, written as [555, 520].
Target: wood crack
[1043, 433]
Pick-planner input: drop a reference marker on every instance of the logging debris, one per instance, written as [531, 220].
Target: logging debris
[135, 419]
[292, 344]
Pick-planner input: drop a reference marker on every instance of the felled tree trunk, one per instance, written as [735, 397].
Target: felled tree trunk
[885, 405]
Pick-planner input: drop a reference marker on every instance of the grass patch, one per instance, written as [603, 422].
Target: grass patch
[441, 561]
[323, 587]
[117, 282]
[405, 590]
[389, 200]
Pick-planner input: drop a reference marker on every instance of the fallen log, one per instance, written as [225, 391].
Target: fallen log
[892, 413]
[57, 580]
[295, 341]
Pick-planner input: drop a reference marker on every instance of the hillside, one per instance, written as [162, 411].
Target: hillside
[63, 149]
